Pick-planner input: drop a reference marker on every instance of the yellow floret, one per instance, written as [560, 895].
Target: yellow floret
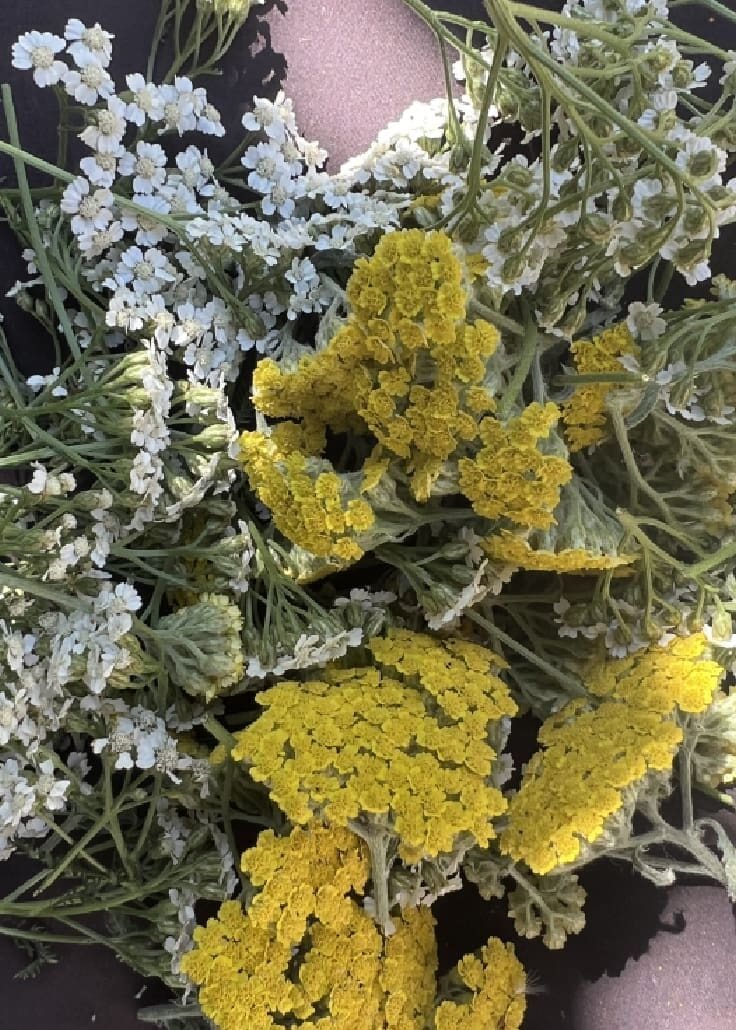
[510, 549]
[308, 500]
[495, 985]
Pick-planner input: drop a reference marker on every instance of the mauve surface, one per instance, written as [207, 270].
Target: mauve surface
[648, 959]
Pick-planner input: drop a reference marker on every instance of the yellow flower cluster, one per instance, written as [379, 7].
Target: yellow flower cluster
[575, 783]
[406, 366]
[310, 503]
[497, 982]
[306, 952]
[584, 536]
[588, 758]
[585, 412]
[510, 549]
[405, 741]
[510, 477]
[680, 674]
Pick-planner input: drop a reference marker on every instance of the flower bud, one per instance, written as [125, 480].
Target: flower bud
[519, 177]
[703, 164]
[215, 438]
[564, 155]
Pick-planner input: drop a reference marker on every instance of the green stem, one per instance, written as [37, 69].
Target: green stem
[32, 224]
[572, 686]
[684, 765]
[723, 554]
[378, 840]
[523, 365]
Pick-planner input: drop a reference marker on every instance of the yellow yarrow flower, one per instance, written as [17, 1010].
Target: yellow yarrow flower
[306, 953]
[510, 477]
[575, 783]
[583, 537]
[510, 549]
[589, 758]
[584, 414]
[306, 946]
[309, 501]
[494, 984]
[406, 367]
[405, 742]
[678, 675]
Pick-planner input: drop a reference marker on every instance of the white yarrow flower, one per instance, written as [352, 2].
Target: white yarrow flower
[147, 102]
[94, 42]
[38, 50]
[88, 82]
[91, 209]
[147, 166]
[106, 132]
[644, 322]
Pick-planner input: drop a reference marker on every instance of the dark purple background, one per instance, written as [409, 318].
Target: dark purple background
[648, 959]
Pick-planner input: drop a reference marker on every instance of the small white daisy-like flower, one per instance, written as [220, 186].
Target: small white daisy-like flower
[268, 166]
[88, 82]
[38, 50]
[97, 241]
[210, 121]
[106, 132]
[101, 169]
[91, 209]
[275, 118]
[144, 272]
[644, 322]
[190, 162]
[147, 102]
[147, 165]
[149, 231]
[182, 106]
[92, 42]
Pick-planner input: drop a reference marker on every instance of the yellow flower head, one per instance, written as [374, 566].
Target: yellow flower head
[306, 945]
[406, 741]
[576, 782]
[679, 675]
[510, 477]
[493, 985]
[311, 504]
[583, 537]
[406, 368]
[584, 414]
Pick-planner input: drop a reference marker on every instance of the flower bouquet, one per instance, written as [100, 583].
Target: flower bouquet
[336, 479]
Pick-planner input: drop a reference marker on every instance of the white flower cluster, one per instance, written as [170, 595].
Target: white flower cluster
[138, 738]
[25, 795]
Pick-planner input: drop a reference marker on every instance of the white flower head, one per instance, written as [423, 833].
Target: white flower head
[644, 322]
[145, 272]
[108, 129]
[89, 43]
[147, 166]
[88, 82]
[101, 169]
[268, 166]
[38, 50]
[91, 209]
[147, 102]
